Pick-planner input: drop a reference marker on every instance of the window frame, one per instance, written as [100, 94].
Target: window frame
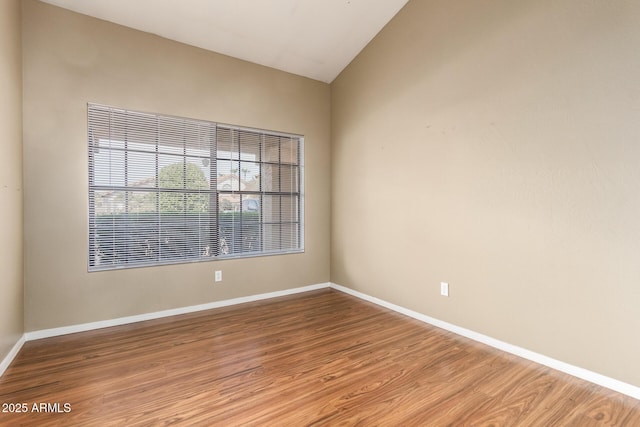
[214, 214]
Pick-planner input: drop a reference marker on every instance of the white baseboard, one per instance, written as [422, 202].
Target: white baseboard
[593, 377]
[47, 333]
[4, 364]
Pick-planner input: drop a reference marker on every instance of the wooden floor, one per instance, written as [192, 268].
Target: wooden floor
[319, 358]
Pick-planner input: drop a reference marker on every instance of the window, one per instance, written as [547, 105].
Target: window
[166, 190]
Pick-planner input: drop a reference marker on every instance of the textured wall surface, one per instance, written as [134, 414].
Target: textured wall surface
[71, 59]
[11, 258]
[494, 145]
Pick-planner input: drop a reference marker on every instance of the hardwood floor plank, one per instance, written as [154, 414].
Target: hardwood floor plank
[319, 358]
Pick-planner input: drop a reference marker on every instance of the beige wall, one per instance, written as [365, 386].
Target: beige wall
[11, 263]
[495, 145]
[71, 59]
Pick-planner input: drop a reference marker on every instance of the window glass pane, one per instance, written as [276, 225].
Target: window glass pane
[270, 208]
[289, 179]
[229, 222]
[183, 172]
[271, 149]
[172, 202]
[228, 203]
[141, 237]
[197, 203]
[289, 236]
[141, 202]
[195, 138]
[250, 224]
[228, 175]
[140, 131]
[197, 173]
[170, 135]
[141, 169]
[251, 203]
[170, 172]
[108, 202]
[124, 229]
[227, 144]
[249, 145]
[289, 150]
[116, 125]
[272, 237]
[183, 237]
[250, 176]
[109, 143]
[108, 167]
[289, 209]
[270, 177]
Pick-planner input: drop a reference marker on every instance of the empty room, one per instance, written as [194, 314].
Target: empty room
[305, 212]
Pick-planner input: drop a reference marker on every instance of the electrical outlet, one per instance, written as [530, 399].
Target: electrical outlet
[444, 289]
[218, 276]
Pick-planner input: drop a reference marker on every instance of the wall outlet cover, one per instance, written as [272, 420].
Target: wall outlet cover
[444, 289]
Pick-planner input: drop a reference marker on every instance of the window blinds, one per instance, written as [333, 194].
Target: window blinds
[165, 189]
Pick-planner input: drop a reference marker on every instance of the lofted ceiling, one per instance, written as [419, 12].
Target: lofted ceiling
[311, 38]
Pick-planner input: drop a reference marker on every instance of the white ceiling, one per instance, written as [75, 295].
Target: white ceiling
[311, 38]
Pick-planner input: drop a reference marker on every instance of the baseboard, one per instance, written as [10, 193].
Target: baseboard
[47, 333]
[593, 377]
[4, 364]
